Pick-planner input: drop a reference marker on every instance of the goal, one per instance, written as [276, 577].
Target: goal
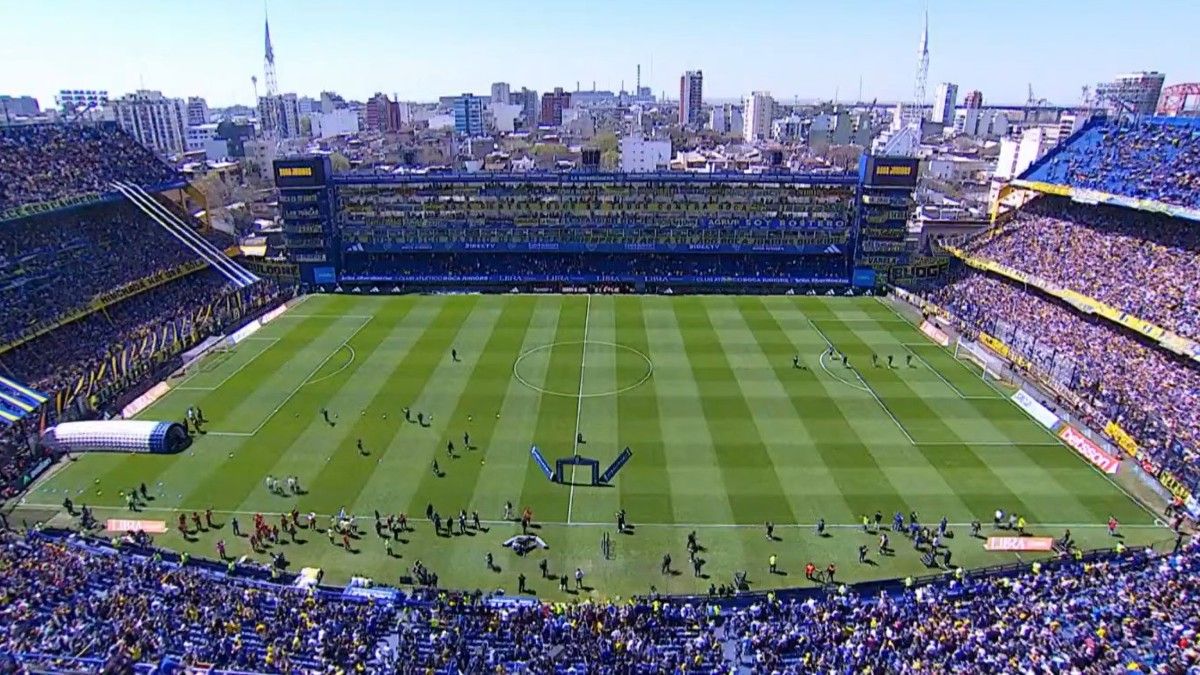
[991, 367]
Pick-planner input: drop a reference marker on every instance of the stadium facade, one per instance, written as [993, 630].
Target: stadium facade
[631, 232]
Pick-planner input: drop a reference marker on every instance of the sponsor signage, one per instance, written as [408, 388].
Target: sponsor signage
[891, 172]
[1035, 409]
[934, 333]
[1088, 448]
[147, 526]
[1019, 544]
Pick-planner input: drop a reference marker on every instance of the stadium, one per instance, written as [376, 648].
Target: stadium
[598, 422]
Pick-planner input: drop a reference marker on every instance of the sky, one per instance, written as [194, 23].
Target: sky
[419, 50]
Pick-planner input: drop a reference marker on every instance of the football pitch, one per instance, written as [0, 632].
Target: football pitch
[726, 434]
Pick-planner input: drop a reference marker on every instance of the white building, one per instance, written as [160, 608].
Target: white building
[640, 155]
[198, 135]
[197, 111]
[726, 119]
[156, 121]
[978, 122]
[691, 98]
[1016, 155]
[501, 92]
[954, 168]
[260, 154]
[944, 102]
[788, 129]
[340, 121]
[279, 117]
[759, 109]
[503, 116]
[73, 99]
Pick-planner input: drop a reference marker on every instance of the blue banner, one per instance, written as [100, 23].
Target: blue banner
[541, 462]
[556, 247]
[588, 279]
[613, 468]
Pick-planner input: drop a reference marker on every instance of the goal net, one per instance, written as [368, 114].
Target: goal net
[990, 366]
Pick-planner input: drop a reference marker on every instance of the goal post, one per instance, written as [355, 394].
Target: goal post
[991, 366]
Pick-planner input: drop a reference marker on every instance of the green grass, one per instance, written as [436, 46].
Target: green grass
[725, 434]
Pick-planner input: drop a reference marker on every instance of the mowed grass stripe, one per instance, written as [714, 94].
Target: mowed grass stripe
[975, 482]
[920, 485]
[310, 451]
[340, 481]
[555, 428]
[409, 453]
[503, 477]
[113, 470]
[754, 488]
[483, 395]
[242, 474]
[605, 365]
[644, 483]
[693, 470]
[786, 439]
[844, 479]
[1078, 494]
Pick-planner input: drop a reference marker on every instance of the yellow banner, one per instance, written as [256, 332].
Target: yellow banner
[994, 345]
[1122, 438]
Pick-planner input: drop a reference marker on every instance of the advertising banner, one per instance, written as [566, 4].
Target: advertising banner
[147, 526]
[1019, 544]
[1090, 451]
[934, 333]
[1035, 409]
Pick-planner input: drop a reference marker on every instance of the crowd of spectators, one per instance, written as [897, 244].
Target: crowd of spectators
[1142, 263]
[42, 163]
[1130, 611]
[606, 266]
[1149, 391]
[66, 599]
[1129, 614]
[1143, 159]
[55, 264]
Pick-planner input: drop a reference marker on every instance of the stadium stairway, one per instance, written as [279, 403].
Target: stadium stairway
[186, 235]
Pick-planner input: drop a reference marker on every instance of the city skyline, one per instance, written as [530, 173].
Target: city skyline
[365, 48]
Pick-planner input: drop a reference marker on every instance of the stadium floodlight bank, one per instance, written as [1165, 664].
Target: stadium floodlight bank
[610, 232]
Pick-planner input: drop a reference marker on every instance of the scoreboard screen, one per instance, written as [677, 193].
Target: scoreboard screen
[898, 172]
[302, 172]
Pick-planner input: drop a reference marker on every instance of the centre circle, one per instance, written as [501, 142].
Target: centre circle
[632, 367]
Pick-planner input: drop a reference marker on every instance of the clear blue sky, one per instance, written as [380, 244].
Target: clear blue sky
[433, 47]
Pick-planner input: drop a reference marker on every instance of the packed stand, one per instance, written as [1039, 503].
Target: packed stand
[86, 364]
[1142, 263]
[69, 600]
[604, 266]
[42, 163]
[1134, 611]
[55, 264]
[635, 637]
[1152, 393]
[56, 360]
[1144, 160]
[1131, 614]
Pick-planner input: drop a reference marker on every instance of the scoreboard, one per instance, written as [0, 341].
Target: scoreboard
[889, 172]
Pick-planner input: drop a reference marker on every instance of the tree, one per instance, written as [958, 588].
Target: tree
[609, 159]
[605, 141]
[306, 126]
[542, 150]
[844, 156]
[339, 162]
